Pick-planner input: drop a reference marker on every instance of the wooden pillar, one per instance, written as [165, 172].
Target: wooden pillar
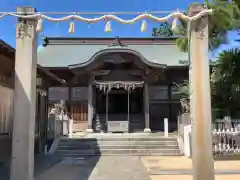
[46, 115]
[107, 105]
[200, 98]
[70, 100]
[94, 107]
[70, 118]
[22, 165]
[90, 107]
[146, 108]
[170, 103]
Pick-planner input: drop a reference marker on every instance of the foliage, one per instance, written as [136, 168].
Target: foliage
[164, 30]
[225, 84]
[226, 80]
[183, 90]
[225, 75]
[220, 23]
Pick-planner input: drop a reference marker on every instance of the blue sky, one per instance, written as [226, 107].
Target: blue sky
[7, 25]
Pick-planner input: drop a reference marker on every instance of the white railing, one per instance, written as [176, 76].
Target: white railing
[226, 138]
[226, 141]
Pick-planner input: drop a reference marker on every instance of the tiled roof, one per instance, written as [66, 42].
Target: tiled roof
[64, 52]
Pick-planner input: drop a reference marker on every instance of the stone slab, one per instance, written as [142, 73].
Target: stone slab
[118, 126]
[183, 163]
[97, 168]
[188, 177]
[156, 171]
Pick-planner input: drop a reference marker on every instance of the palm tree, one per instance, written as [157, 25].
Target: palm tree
[226, 80]
[225, 84]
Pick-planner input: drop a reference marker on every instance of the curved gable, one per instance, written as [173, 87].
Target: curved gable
[97, 55]
[64, 55]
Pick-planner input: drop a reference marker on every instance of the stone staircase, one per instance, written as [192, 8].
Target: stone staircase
[145, 145]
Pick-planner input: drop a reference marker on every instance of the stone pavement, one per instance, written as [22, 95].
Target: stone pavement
[180, 168]
[97, 168]
[125, 168]
[188, 177]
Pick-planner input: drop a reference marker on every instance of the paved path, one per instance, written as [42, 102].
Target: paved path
[125, 168]
[97, 168]
[188, 177]
[180, 168]
[182, 163]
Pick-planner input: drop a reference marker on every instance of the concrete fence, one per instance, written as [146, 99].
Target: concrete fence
[225, 133]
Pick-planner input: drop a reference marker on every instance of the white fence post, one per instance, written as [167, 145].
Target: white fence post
[70, 127]
[166, 127]
[187, 140]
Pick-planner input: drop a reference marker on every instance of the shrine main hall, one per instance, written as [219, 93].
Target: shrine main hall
[116, 84]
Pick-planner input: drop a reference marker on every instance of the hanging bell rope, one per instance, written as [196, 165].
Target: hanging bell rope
[144, 26]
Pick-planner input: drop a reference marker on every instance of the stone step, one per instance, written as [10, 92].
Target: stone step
[117, 154]
[112, 146]
[172, 152]
[119, 144]
[118, 150]
[100, 143]
[117, 138]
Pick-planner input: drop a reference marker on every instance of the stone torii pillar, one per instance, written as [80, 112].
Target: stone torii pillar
[200, 98]
[22, 165]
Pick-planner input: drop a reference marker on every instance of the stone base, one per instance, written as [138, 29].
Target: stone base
[89, 130]
[147, 130]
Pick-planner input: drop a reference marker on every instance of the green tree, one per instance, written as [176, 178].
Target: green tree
[220, 22]
[225, 84]
[225, 77]
[226, 81]
[164, 30]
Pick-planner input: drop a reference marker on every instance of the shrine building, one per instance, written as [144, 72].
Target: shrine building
[116, 84]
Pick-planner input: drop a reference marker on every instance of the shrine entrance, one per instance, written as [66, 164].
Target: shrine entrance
[118, 96]
[119, 107]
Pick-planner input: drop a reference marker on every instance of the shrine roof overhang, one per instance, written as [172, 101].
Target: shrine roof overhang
[9, 52]
[103, 52]
[77, 52]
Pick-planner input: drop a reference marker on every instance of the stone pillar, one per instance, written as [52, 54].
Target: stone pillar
[146, 108]
[22, 165]
[200, 98]
[42, 119]
[90, 107]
